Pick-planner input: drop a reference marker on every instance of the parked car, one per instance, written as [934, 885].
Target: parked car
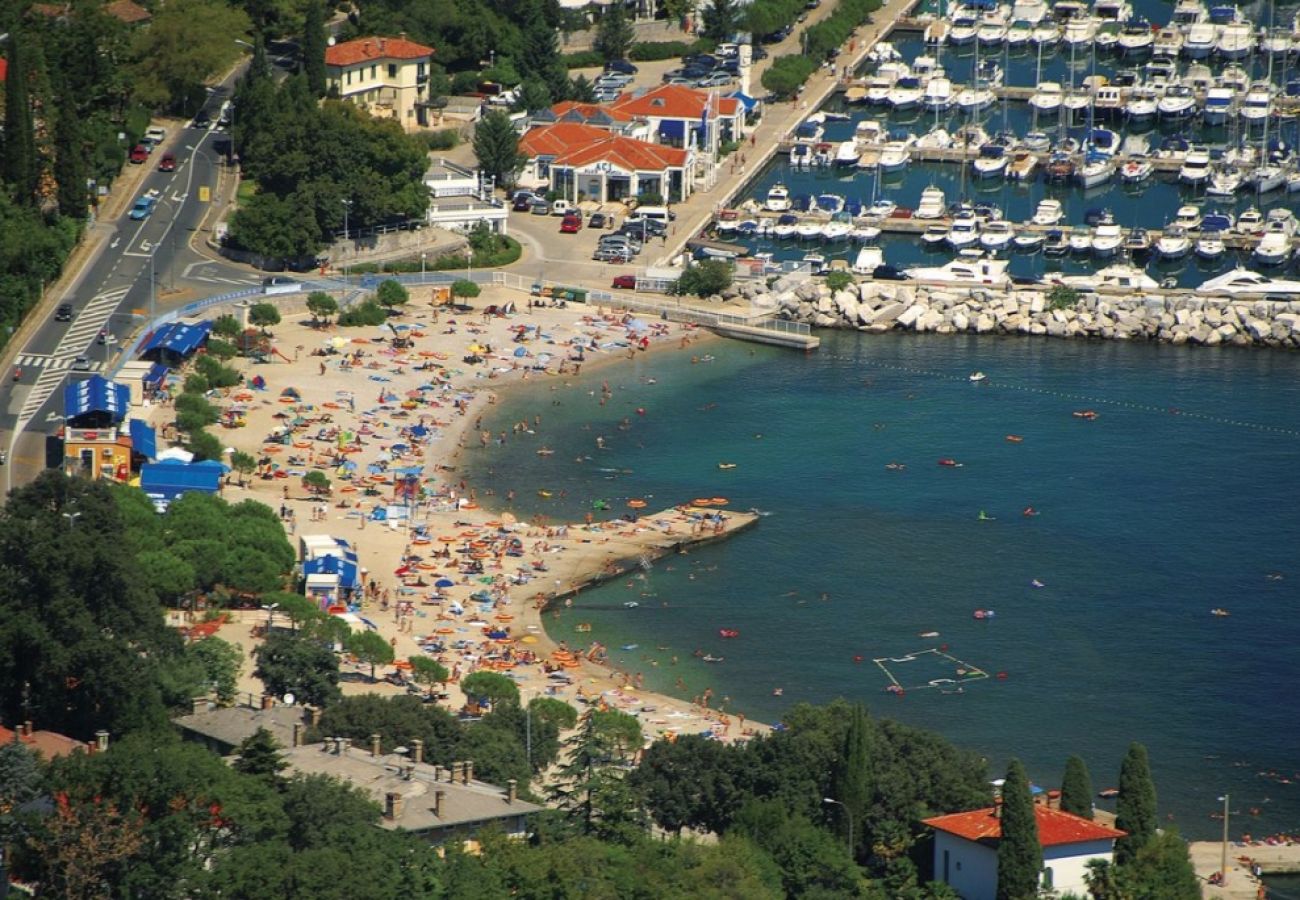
[624, 282]
[716, 79]
[621, 66]
[63, 313]
[155, 135]
[280, 284]
[539, 207]
[139, 153]
[523, 201]
[571, 225]
[563, 208]
[889, 273]
[202, 119]
[167, 163]
[600, 220]
[612, 255]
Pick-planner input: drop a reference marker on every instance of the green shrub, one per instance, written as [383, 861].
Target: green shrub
[838, 281]
[368, 312]
[464, 288]
[443, 139]
[583, 59]
[222, 350]
[787, 74]
[1062, 297]
[196, 384]
[227, 326]
[833, 32]
[653, 51]
[704, 279]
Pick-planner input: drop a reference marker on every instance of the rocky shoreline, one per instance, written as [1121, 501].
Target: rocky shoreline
[878, 307]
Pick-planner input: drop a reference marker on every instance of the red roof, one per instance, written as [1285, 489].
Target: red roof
[127, 11]
[588, 110]
[349, 53]
[1054, 826]
[48, 744]
[572, 144]
[673, 101]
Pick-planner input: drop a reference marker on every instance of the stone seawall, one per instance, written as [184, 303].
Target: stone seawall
[878, 307]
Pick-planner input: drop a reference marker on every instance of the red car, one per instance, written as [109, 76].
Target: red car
[167, 163]
[625, 282]
[571, 225]
[139, 154]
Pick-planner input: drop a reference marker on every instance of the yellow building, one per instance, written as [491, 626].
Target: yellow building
[98, 441]
[388, 77]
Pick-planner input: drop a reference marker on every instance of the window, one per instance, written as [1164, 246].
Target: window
[392, 70]
[945, 865]
[374, 69]
[349, 81]
[1047, 878]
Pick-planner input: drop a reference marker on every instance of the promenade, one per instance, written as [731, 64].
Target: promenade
[779, 120]
[1240, 884]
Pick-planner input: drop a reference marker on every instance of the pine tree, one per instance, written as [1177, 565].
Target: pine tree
[577, 780]
[541, 50]
[1020, 855]
[1135, 812]
[496, 145]
[259, 756]
[20, 167]
[313, 47]
[615, 34]
[853, 782]
[69, 158]
[1076, 788]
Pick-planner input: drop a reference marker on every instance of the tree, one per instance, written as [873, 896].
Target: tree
[300, 610]
[540, 56]
[187, 42]
[83, 846]
[582, 90]
[787, 74]
[706, 278]
[226, 325]
[428, 672]
[220, 662]
[70, 169]
[614, 34]
[463, 287]
[391, 293]
[1076, 788]
[244, 464]
[720, 19]
[496, 147]
[313, 47]
[853, 784]
[21, 782]
[204, 446]
[21, 165]
[259, 756]
[534, 96]
[369, 647]
[497, 688]
[1161, 870]
[300, 666]
[1135, 811]
[316, 481]
[263, 316]
[321, 306]
[398, 721]
[583, 786]
[1020, 855]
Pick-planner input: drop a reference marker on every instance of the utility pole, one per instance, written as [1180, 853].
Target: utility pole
[1223, 858]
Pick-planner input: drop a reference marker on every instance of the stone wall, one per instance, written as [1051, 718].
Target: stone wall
[878, 307]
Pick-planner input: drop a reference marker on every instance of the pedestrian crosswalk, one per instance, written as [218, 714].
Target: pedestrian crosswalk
[89, 322]
[52, 363]
[213, 279]
[46, 384]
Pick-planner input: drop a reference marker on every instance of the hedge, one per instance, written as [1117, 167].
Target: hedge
[653, 51]
[583, 59]
[510, 253]
[787, 74]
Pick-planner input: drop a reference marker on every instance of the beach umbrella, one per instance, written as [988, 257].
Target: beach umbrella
[444, 583]
[637, 325]
[521, 352]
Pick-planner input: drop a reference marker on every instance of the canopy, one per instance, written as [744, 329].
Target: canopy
[96, 394]
[156, 375]
[177, 338]
[165, 481]
[144, 440]
[745, 100]
[672, 128]
[347, 572]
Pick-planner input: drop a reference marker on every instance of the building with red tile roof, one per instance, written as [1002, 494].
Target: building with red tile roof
[966, 849]
[387, 76]
[127, 11]
[574, 158]
[49, 744]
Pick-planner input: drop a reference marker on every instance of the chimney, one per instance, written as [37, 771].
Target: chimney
[512, 787]
[417, 752]
[453, 772]
[467, 773]
[375, 746]
[198, 705]
[394, 805]
[383, 42]
[297, 734]
[408, 771]
[438, 797]
[27, 728]
[101, 741]
[268, 701]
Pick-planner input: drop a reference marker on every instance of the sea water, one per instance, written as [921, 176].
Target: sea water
[1178, 498]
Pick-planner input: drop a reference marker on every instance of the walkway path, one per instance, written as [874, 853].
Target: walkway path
[1207, 857]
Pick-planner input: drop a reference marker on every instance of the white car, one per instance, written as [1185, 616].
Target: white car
[280, 284]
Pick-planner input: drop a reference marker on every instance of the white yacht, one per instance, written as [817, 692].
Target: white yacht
[837, 230]
[939, 95]
[991, 162]
[894, 156]
[934, 236]
[932, 205]
[992, 31]
[1179, 102]
[1168, 41]
[1136, 169]
[785, 226]
[1236, 40]
[1113, 277]
[1049, 212]
[808, 230]
[1195, 168]
[965, 28]
[1226, 182]
[1142, 103]
[1174, 243]
[1107, 237]
[1031, 11]
[1273, 249]
[935, 139]
[1210, 246]
[1188, 217]
[906, 93]
[1095, 171]
[1236, 77]
[1080, 31]
[1276, 42]
[1117, 11]
[1218, 105]
[1045, 34]
[1200, 40]
[1257, 105]
[883, 80]
[1022, 167]
[963, 231]
[847, 154]
[991, 272]
[975, 97]
[868, 259]
[1047, 99]
[1268, 177]
[778, 198]
[1243, 281]
[996, 236]
[1251, 221]
[1187, 13]
[1019, 33]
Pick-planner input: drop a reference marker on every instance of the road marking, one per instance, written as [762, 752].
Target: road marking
[113, 243]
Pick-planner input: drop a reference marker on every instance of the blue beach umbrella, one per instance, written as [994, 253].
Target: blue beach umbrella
[444, 583]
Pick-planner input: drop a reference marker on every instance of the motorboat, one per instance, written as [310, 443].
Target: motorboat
[1096, 171]
[934, 139]
[1049, 212]
[997, 235]
[1136, 37]
[810, 130]
[975, 97]
[1173, 243]
[1273, 249]
[1080, 31]
[1046, 100]
[1196, 167]
[1236, 41]
[1108, 102]
[1200, 40]
[1142, 104]
[808, 230]
[1060, 168]
[932, 205]
[1028, 241]
[1187, 13]
[1243, 281]
[1080, 241]
[1019, 33]
[1168, 41]
[1022, 166]
[992, 272]
[1136, 169]
[906, 93]
[869, 258]
[830, 203]
[778, 198]
[1276, 42]
[1267, 178]
[1282, 219]
[1257, 105]
[1218, 105]
[1226, 182]
[846, 154]
[1056, 243]
[801, 156]
[939, 95]
[869, 131]
[1249, 221]
[1236, 77]
[1179, 102]
[1107, 38]
[1210, 246]
[815, 262]
[1115, 277]
[867, 231]
[882, 82]
[785, 226]
[1107, 237]
[1188, 217]
[1037, 141]
[964, 30]
[881, 209]
[1045, 34]
[1101, 142]
[963, 231]
[894, 156]
[1215, 220]
[1117, 11]
[992, 32]
[838, 229]
[934, 236]
[883, 52]
[1137, 243]
[991, 162]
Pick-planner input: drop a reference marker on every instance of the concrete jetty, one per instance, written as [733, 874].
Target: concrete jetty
[1240, 883]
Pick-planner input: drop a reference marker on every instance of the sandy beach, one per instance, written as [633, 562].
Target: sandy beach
[445, 577]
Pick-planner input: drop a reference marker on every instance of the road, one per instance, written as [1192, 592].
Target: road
[140, 266]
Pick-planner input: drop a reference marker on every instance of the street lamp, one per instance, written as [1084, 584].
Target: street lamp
[1223, 858]
[72, 518]
[270, 616]
[109, 341]
[423, 257]
[848, 817]
[469, 264]
[347, 208]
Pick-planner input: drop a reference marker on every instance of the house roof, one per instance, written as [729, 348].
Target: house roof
[49, 744]
[573, 111]
[349, 53]
[127, 11]
[572, 144]
[1055, 827]
[232, 725]
[673, 101]
[461, 804]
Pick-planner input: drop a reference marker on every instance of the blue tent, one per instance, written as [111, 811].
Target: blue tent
[96, 397]
[156, 375]
[144, 440]
[163, 482]
[176, 339]
[348, 574]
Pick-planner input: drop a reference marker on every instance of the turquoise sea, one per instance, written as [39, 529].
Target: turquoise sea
[1178, 498]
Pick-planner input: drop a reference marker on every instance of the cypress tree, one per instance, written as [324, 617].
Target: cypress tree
[1076, 788]
[313, 48]
[69, 158]
[1136, 809]
[20, 165]
[1020, 855]
[853, 783]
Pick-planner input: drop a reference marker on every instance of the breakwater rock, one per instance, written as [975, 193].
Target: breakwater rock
[878, 307]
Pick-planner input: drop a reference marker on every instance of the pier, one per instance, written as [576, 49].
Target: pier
[1240, 884]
